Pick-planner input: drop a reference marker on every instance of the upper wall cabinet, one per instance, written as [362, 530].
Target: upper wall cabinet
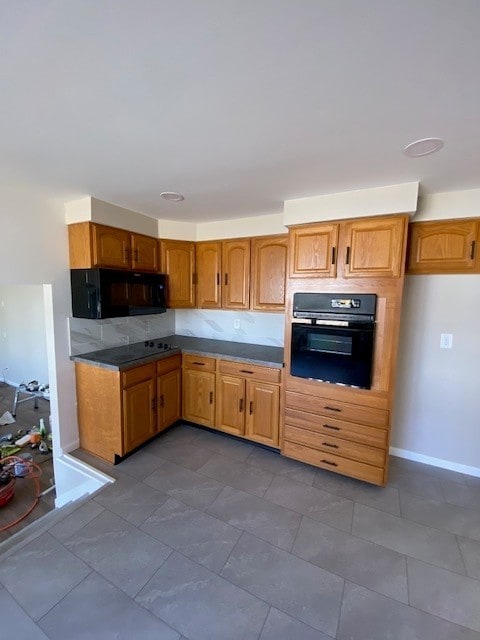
[269, 263]
[444, 246]
[97, 245]
[178, 262]
[365, 247]
[209, 275]
[236, 274]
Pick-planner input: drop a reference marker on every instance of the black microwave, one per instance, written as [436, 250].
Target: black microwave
[112, 293]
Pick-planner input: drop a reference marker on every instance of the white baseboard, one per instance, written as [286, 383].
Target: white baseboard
[71, 446]
[435, 462]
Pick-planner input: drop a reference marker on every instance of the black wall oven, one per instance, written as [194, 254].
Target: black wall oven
[333, 338]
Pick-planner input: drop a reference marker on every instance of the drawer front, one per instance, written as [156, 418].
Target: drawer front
[168, 364]
[337, 446]
[138, 374]
[247, 370]
[200, 363]
[334, 463]
[335, 409]
[361, 433]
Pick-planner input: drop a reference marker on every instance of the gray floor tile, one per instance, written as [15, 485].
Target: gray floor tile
[358, 560]
[41, 574]
[201, 604]
[445, 594]
[369, 616]
[312, 502]
[224, 445]
[187, 454]
[197, 535]
[98, 610]
[119, 551]
[185, 485]
[16, 624]
[130, 499]
[237, 474]
[417, 483]
[470, 550]
[140, 464]
[268, 521]
[383, 498]
[76, 520]
[462, 494]
[279, 626]
[179, 433]
[441, 515]
[276, 463]
[288, 583]
[411, 538]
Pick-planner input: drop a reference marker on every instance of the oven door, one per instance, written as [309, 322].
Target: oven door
[341, 355]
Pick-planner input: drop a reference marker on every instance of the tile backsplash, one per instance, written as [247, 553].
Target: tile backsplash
[90, 335]
[237, 326]
[253, 326]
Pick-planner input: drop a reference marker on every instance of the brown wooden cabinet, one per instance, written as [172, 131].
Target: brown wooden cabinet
[361, 248]
[178, 263]
[236, 274]
[269, 262]
[444, 246]
[248, 401]
[199, 389]
[138, 406]
[209, 275]
[120, 410]
[97, 245]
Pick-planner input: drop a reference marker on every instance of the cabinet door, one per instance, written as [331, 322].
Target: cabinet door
[111, 247]
[178, 262]
[231, 404]
[144, 253]
[263, 411]
[169, 399]
[139, 415]
[209, 273]
[447, 246]
[236, 274]
[373, 247]
[313, 251]
[199, 396]
[269, 262]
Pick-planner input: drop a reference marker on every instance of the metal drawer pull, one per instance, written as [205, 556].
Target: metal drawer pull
[472, 250]
[126, 254]
[154, 404]
[329, 426]
[162, 401]
[327, 444]
[226, 279]
[241, 405]
[200, 364]
[135, 255]
[347, 257]
[245, 371]
[218, 279]
[251, 408]
[332, 408]
[332, 464]
[211, 397]
[333, 255]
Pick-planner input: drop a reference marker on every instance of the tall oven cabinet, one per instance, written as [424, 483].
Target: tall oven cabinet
[330, 422]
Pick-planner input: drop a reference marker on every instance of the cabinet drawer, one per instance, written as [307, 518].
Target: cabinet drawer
[337, 446]
[168, 364]
[138, 374]
[201, 363]
[334, 463]
[247, 370]
[372, 436]
[333, 408]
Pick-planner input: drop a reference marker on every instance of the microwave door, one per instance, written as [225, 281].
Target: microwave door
[113, 295]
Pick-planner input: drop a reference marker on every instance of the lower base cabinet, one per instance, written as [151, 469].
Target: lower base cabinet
[120, 410]
[199, 389]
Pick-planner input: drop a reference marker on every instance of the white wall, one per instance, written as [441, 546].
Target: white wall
[23, 343]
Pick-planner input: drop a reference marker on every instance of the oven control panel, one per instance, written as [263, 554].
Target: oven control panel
[345, 303]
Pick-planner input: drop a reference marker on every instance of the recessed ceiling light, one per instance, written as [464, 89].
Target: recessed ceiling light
[423, 147]
[172, 196]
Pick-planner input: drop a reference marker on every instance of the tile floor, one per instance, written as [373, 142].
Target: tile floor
[203, 537]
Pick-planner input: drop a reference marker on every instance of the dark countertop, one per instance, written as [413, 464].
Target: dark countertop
[132, 355]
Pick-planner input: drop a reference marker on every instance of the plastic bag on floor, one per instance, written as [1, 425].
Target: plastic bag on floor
[7, 418]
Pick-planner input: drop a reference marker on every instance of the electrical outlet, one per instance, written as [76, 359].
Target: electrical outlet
[236, 324]
[446, 340]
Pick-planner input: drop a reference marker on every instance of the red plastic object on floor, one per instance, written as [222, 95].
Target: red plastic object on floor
[6, 492]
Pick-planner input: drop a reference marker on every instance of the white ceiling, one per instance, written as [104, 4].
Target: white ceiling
[237, 104]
